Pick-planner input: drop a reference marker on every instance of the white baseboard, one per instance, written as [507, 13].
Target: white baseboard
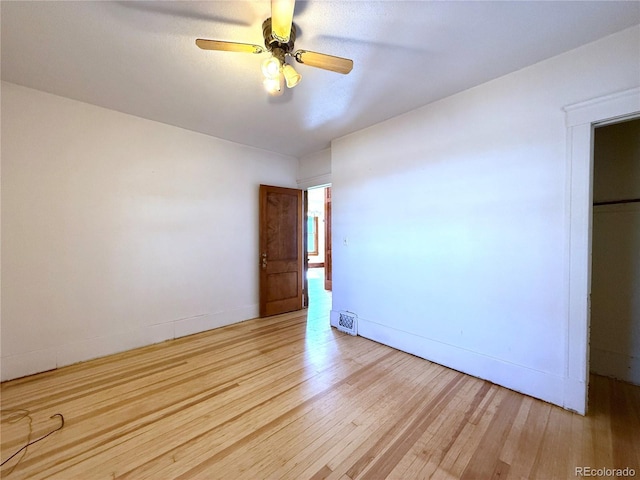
[615, 364]
[29, 363]
[574, 398]
[23, 364]
[201, 323]
[545, 386]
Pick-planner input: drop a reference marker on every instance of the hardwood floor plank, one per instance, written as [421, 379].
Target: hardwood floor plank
[388, 412]
[401, 444]
[245, 414]
[256, 430]
[327, 414]
[600, 424]
[346, 419]
[525, 442]
[321, 474]
[458, 450]
[625, 428]
[518, 427]
[289, 397]
[486, 460]
[551, 461]
[389, 432]
[427, 453]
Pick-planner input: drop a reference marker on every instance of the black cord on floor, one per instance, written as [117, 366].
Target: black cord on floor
[38, 439]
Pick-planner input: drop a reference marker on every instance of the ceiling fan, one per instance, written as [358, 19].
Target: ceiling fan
[279, 34]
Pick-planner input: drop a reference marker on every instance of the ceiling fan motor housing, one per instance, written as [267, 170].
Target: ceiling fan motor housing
[272, 44]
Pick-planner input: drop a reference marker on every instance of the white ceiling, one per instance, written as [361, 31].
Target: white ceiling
[140, 58]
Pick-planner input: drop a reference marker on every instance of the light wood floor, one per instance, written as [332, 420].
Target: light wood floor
[286, 398]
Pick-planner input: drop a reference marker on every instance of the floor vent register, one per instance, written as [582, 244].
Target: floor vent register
[348, 323]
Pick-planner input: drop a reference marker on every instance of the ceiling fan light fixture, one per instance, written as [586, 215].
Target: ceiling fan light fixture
[291, 76]
[279, 33]
[274, 86]
[271, 68]
[281, 19]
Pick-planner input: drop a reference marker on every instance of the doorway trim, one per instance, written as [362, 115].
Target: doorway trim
[581, 119]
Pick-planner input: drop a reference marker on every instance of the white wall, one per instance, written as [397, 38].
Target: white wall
[450, 221]
[315, 169]
[615, 284]
[119, 231]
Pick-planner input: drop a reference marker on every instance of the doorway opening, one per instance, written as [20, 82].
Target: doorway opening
[581, 119]
[319, 252]
[614, 344]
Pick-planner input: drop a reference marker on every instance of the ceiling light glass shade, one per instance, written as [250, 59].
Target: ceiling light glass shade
[274, 86]
[291, 76]
[281, 19]
[271, 68]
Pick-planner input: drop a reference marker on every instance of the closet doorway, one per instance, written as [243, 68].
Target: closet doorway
[615, 271]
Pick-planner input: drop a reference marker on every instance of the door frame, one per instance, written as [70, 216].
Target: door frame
[581, 120]
[305, 249]
[328, 240]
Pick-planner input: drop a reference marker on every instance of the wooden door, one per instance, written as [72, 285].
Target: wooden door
[281, 250]
[327, 239]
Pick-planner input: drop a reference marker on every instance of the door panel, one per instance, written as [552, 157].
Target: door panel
[281, 250]
[282, 285]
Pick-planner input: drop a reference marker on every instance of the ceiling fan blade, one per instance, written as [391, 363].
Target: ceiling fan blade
[281, 19]
[228, 46]
[322, 60]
